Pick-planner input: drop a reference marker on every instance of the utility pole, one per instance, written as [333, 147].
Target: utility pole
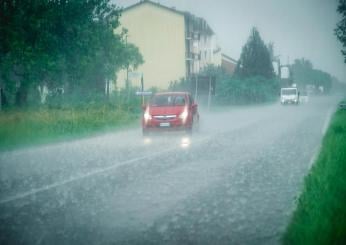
[279, 68]
[127, 83]
[209, 93]
[196, 88]
[142, 89]
[277, 59]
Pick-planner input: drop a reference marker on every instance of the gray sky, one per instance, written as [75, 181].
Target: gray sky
[298, 28]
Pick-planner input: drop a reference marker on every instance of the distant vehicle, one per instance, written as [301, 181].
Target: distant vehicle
[170, 111]
[289, 96]
[303, 97]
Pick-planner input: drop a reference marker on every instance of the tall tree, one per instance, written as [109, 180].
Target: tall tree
[340, 30]
[57, 42]
[304, 74]
[255, 58]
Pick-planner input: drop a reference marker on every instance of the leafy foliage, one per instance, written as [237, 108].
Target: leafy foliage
[303, 74]
[340, 30]
[26, 127]
[60, 42]
[187, 85]
[320, 216]
[181, 85]
[234, 90]
[255, 58]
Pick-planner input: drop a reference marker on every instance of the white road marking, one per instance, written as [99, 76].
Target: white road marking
[79, 177]
[103, 170]
[90, 174]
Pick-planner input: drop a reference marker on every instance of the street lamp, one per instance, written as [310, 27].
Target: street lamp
[277, 59]
[127, 65]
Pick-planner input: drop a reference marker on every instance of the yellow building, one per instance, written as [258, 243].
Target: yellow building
[174, 44]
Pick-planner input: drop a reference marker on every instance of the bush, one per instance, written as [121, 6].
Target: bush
[33, 126]
[67, 116]
[246, 91]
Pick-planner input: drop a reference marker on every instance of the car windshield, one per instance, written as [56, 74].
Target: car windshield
[289, 91]
[168, 100]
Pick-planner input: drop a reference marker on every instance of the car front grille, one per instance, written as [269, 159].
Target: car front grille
[165, 117]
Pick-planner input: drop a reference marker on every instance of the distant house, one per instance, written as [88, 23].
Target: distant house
[174, 44]
[228, 64]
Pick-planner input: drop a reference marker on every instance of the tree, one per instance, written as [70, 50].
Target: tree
[340, 30]
[255, 58]
[60, 42]
[304, 74]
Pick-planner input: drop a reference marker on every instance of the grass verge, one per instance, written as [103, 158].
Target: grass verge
[31, 127]
[320, 216]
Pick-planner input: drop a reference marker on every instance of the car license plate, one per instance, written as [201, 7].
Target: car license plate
[165, 124]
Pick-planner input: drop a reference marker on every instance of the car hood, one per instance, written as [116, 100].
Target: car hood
[166, 110]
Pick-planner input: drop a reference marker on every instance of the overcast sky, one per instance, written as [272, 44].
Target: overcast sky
[298, 28]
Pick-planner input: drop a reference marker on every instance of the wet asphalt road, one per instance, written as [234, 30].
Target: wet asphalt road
[235, 182]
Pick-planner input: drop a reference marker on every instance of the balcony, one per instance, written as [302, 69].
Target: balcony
[193, 36]
[190, 56]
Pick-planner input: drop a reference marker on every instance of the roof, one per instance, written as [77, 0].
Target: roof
[229, 58]
[198, 22]
[154, 4]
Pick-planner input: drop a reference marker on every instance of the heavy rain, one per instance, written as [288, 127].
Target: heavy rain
[206, 150]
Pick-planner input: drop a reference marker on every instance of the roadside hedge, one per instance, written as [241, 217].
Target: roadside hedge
[246, 91]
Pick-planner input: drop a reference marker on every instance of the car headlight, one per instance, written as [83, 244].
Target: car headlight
[184, 114]
[146, 115]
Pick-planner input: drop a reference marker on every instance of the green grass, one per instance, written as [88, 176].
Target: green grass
[320, 216]
[19, 128]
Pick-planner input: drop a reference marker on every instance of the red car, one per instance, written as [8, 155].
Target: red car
[170, 111]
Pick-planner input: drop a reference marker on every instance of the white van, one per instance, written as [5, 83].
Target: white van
[289, 96]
